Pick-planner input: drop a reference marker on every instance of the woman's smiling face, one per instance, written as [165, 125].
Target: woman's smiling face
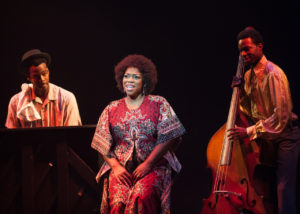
[133, 82]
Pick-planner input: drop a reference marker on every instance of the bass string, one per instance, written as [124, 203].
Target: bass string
[216, 184]
[221, 176]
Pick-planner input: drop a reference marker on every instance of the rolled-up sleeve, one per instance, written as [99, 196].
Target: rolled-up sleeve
[281, 103]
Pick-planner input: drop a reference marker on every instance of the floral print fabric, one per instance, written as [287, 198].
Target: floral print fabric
[132, 135]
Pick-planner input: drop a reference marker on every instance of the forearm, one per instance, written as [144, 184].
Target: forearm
[112, 162]
[268, 128]
[158, 152]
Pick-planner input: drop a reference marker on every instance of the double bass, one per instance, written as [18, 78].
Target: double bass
[240, 183]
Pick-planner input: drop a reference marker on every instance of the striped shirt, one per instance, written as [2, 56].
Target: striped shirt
[267, 100]
[58, 109]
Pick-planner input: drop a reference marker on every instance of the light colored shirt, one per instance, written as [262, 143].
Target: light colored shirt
[267, 100]
[58, 109]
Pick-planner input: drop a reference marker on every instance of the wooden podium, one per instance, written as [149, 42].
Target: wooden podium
[48, 170]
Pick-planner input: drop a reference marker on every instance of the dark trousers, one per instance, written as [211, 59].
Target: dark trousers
[288, 148]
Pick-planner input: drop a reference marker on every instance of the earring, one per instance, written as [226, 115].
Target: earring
[144, 90]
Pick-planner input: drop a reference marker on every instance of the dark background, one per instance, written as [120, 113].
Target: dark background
[192, 44]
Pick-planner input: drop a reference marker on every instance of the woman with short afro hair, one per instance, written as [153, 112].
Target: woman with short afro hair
[144, 65]
[136, 136]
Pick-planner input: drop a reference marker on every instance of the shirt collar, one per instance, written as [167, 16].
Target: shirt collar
[260, 67]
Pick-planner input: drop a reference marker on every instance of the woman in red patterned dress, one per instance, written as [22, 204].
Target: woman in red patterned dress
[136, 136]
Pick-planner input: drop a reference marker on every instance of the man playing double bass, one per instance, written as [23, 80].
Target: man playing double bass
[265, 98]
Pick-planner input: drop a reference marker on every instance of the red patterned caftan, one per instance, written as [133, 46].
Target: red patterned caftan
[130, 136]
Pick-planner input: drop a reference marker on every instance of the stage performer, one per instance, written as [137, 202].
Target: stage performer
[41, 103]
[136, 136]
[265, 98]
